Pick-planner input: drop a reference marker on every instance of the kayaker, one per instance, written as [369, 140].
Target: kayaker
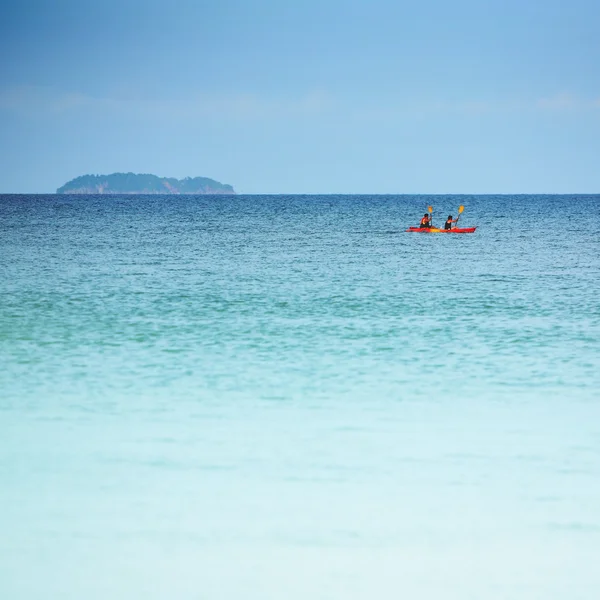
[449, 221]
[425, 222]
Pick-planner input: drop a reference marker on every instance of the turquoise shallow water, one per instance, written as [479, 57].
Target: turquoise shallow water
[268, 397]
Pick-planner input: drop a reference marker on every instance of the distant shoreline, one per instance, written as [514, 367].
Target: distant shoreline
[315, 194]
[138, 184]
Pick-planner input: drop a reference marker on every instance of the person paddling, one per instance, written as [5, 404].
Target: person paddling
[449, 221]
[425, 222]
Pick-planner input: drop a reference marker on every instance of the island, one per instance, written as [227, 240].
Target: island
[132, 183]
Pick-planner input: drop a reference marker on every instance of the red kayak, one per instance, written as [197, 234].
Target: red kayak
[436, 230]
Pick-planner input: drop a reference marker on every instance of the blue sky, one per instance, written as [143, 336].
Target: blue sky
[318, 96]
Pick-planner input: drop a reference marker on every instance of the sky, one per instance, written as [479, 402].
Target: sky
[304, 96]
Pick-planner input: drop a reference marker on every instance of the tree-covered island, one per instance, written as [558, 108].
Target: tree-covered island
[132, 183]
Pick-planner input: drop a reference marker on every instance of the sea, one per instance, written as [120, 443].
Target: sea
[291, 397]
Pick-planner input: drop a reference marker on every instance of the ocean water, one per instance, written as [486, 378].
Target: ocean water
[267, 397]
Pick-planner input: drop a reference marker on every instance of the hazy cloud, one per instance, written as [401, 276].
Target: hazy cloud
[45, 101]
[48, 102]
[566, 101]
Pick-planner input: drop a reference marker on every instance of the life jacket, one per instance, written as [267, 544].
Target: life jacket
[448, 225]
[425, 222]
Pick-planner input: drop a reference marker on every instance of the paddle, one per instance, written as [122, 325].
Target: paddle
[460, 209]
[430, 209]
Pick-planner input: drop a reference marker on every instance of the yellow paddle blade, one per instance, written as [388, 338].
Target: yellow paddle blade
[460, 209]
[430, 209]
